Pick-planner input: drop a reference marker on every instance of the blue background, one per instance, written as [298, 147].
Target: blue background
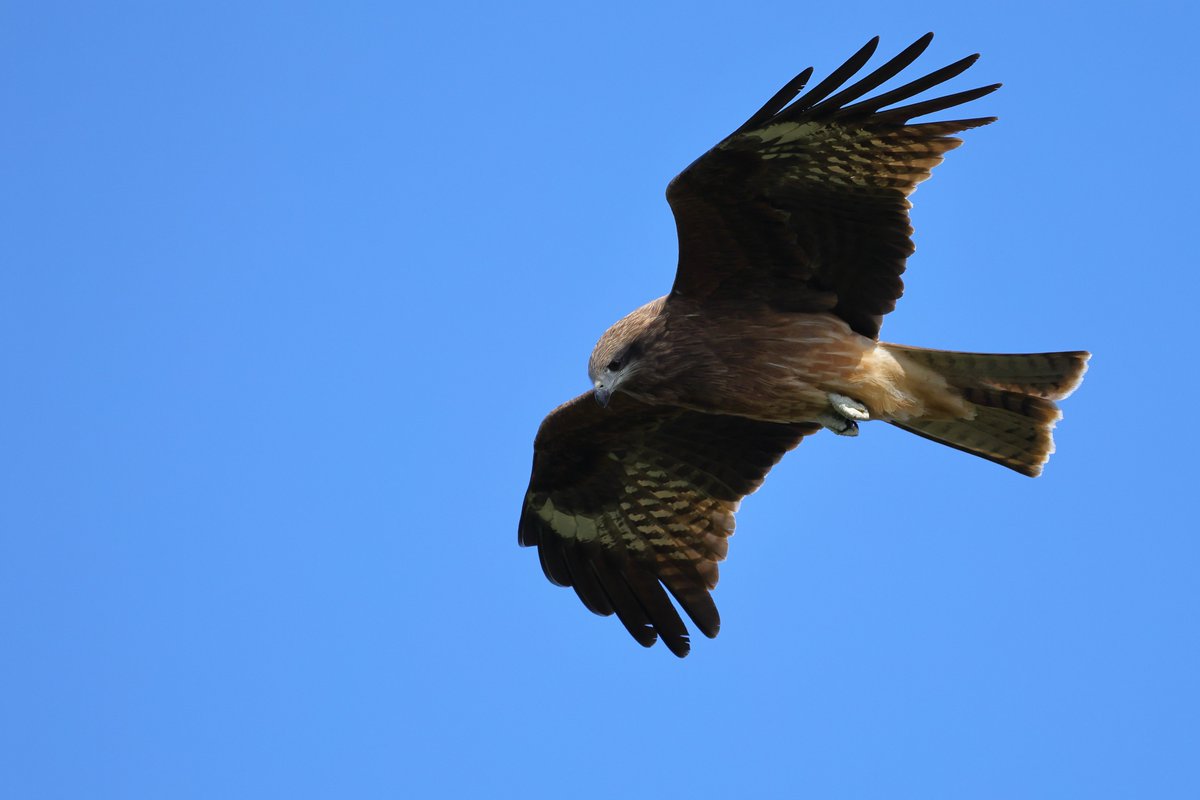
[285, 291]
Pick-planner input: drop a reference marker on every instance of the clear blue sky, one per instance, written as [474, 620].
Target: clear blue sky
[285, 290]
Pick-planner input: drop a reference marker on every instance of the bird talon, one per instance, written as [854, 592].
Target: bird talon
[838, 424]
[849, 408]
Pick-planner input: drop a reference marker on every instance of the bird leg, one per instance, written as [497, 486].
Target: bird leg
[843, 415]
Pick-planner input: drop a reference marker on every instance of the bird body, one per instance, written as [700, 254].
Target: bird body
[771, 365]
[778, 366]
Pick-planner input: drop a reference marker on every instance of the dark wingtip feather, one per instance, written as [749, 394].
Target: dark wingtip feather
[584, 581]
[702, 611]
[553, 560]
[821, 100]
[877, 77]
[657, 607]
[777, 101]
[836, 78]
[626, 606]
[529, 527]
[902, 114]
[912, 88]
[967, 124]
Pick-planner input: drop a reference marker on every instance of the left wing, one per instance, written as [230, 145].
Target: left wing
[627, 500]
[804, 207]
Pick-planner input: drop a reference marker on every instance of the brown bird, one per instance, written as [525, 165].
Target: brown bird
[793, 233]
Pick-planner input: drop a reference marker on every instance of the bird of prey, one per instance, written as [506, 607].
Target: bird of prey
[793, 233]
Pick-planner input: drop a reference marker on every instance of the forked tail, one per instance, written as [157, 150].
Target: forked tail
[1012, 397]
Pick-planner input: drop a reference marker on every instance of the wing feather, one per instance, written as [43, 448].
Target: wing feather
[836, 78]
[877, 78]
[913, 88]
[625, 604]
[778, 101]
[584, 580]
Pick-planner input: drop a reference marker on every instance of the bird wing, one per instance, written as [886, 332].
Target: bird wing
[627, 500]
[804, 207]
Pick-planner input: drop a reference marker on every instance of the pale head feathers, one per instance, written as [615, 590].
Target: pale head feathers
[616, 355]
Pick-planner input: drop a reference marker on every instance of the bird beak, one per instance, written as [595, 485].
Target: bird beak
[602, 394]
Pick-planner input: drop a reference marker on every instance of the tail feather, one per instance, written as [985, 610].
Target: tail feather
[1012, 400]
[1050, 375]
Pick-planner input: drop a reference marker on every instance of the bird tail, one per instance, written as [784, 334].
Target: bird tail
[1012, 397]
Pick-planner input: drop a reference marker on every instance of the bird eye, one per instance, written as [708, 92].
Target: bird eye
[614, 365]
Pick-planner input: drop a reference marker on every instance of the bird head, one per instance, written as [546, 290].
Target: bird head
[617, 357]
[609, 372]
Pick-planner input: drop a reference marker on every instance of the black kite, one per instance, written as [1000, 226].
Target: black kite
[793, 233]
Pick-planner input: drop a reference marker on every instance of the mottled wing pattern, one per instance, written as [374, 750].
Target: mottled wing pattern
[630, 502]
[804, 207]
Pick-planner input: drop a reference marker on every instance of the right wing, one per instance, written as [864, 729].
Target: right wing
[626, 500]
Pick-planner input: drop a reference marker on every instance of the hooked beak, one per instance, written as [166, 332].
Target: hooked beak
[602, 395]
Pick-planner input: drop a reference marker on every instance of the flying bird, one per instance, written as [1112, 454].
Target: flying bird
[793, 232]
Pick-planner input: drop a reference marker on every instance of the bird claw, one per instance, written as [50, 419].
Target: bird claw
[843, 415]
[849, 408]
[838, 424]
